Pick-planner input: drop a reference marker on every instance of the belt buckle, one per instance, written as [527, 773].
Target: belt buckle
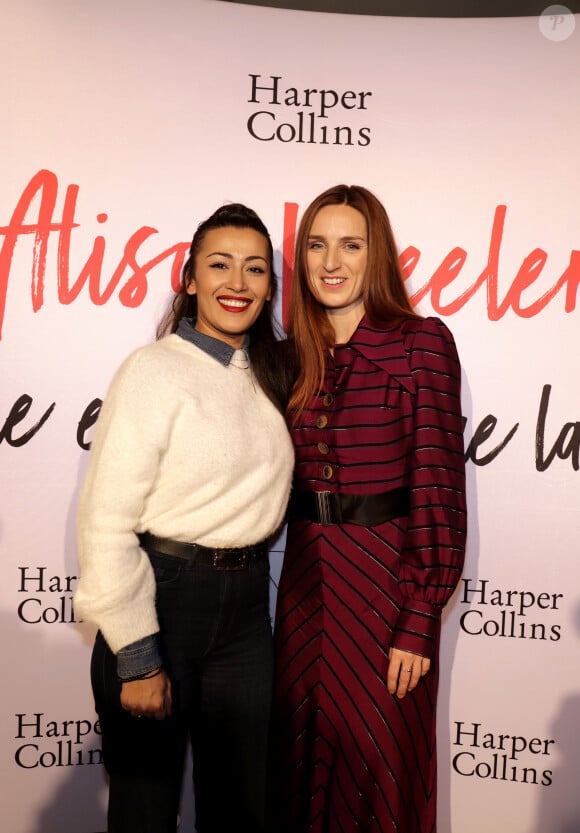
[220, 555]
[323, 508]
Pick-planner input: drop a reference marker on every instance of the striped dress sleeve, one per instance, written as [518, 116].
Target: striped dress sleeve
[433, 553]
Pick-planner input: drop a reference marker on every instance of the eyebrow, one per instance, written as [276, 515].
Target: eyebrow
[231, 257]
[342, 239]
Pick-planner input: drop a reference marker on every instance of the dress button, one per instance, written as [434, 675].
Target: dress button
[328, 399]
[321, 422]
[323, 448]
[327, 472]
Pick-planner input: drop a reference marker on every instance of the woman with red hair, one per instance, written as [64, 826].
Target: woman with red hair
[376, 536]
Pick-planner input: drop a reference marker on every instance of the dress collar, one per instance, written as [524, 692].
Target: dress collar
[385, 348]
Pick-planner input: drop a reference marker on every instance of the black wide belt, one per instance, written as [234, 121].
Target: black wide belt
[220, 558]
[339, 508]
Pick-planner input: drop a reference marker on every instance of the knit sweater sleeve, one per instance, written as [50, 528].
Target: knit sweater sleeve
[432, 557]
[116, 590]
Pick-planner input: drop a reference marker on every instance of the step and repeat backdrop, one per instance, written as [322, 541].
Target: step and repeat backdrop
[125, 124]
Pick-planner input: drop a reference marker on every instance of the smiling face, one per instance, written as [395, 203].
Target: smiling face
[336, 262]
[232, 281]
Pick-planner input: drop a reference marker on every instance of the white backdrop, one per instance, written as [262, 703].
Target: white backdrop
[124, 124]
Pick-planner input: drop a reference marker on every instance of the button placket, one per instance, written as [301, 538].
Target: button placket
[322, 446]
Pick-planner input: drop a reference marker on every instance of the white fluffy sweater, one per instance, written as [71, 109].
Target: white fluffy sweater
[184, 448]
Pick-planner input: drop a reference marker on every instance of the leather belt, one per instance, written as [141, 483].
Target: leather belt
[220, 558]
[328, 508]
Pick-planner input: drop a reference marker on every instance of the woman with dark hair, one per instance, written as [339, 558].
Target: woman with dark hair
[188, 477]
[376, 537]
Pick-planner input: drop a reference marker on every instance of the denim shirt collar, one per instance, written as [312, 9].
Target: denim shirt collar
[212, 346]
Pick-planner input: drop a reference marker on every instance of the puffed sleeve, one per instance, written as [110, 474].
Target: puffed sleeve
[434, 548]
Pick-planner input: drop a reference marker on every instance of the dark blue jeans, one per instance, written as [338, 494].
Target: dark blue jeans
[217, 647]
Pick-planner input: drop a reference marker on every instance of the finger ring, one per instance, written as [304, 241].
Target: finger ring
[407, 670]
[138, 716]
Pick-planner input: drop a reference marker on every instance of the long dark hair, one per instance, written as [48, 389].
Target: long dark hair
[265, 355]
[385, 297]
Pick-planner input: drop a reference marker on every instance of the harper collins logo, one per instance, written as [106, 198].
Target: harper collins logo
[512, 614]
[55, 743]
[47, 599]
[501, 756]
[311, 116]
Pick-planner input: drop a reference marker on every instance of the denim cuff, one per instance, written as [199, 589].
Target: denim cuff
[139, 658]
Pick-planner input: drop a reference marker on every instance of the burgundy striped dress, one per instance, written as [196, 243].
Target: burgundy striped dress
[352, 758]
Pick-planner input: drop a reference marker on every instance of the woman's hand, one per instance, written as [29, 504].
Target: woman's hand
[148, 698]
[405, 671]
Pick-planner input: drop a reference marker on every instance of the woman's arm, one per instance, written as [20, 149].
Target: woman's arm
[116, 590]
[433, 554]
